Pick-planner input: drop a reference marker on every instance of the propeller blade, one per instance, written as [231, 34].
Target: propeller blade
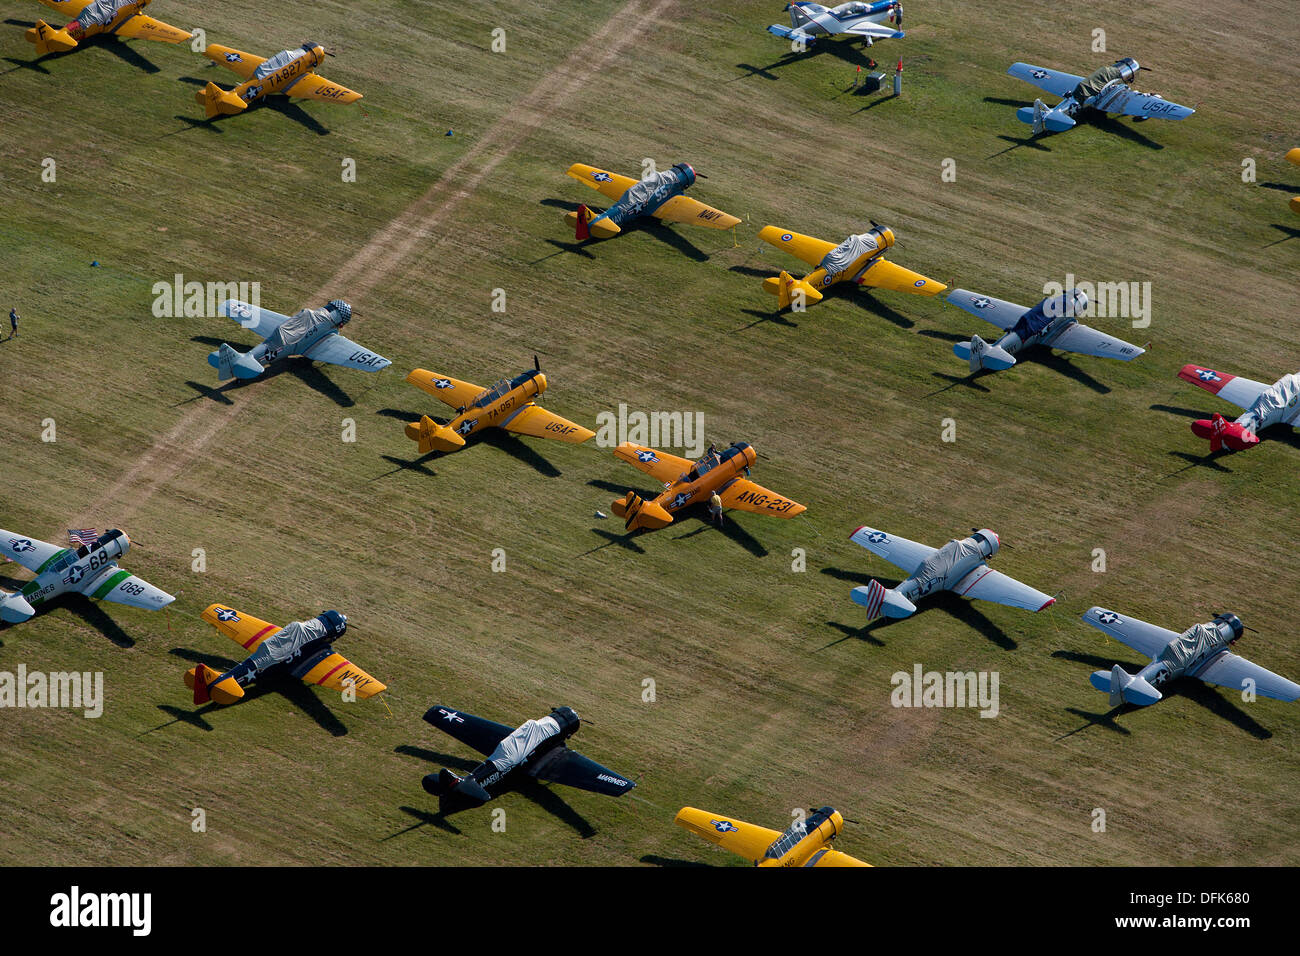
[537, 365]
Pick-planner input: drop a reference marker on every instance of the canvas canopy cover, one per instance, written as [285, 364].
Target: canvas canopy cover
[1268, 408]
[1032, 322]
[101, 12]
[283, 58]
[640, 194]
[1190, 644]
[515, 747]
[297, 328]
[940, 564]
[1094, 84]
[848, 252]
[288, 641]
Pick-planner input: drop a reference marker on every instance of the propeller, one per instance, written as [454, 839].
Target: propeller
[537, 365]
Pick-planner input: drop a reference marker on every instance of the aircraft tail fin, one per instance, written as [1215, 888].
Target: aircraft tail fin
[231, 364]
[14, 607]
[639, 513]
[1124, 687]
[788, 290]
[1224, 434]
[50, 40]
[879, 600]
[218, 102]
[982, 355]
[432, 436]
[587, 223]
[1045, 119]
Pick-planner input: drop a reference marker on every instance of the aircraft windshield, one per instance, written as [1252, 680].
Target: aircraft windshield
[796, 832]
[490, 395]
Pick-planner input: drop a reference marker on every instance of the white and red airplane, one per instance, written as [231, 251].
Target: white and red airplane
[1265, 405]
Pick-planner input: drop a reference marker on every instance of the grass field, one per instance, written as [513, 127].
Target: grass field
[770, 694]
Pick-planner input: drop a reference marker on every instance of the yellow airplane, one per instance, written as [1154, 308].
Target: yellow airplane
[1293, 156]
[804, 842]
[290, 72]
[123, 18]
[859, 258]
[301, 649]
[508, 404]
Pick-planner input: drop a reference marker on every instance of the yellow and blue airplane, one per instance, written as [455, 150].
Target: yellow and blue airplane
[659, 195]
[122, 18]
[859, 258]
[804, 843]
[290, 72]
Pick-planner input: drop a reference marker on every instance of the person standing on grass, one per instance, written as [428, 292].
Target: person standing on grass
[13, 322]
[715, 509]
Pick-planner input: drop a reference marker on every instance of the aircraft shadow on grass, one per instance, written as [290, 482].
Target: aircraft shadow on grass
[497, 438]
[1092, 117]
[646, 224]
[302, 368]
[291, 688]
[669, 861]
[844, 50]
[729, 527]
[101, 41]
[1287, 233]
[90, 612]
[530, 790]
[1038, 354]
[958, 607]
[844, 291]
[1279, 434]
[278, 104]
[1188, 687]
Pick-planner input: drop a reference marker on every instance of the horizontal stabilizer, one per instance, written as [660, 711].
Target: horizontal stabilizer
[207, 685]
[786, 33]
[14, 608]
[878, 600]
[231, 364]
[432, 436]
[788, 290]
[218, 102]
[982, 355]
[1124, 687]
[50, 40]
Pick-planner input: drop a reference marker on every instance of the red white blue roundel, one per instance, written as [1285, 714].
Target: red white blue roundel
[786, 237]
[877, 537]
[918, 283]
[602, 177]
[1108, 617]
[227, 614]
[22, 544]
[646, 455]
[441, 383]
[724, 826]
[1208, 375]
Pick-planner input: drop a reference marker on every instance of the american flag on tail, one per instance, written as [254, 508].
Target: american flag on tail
[84, 536]
[875, 598]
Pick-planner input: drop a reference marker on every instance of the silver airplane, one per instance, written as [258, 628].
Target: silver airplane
[312, 333]
[1201, 651]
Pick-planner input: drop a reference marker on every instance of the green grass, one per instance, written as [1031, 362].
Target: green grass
[769, 696]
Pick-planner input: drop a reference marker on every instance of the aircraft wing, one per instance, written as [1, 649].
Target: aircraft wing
[123, 587]
[257, 320]
[836, 858]
[331, 669]
[877, 31]
[695, 213]
[750, 496]
[1086, 340]
[482, 735]
[29, 552]
[657, 464]
[244, 629]
[985, 584]
[883, 274]
[1242, 392]
[538, 422]
[572, 769]
[142, 27]
[240, 63]
[341, 350]
[610, 185]
[736, 836]
[997, 312]
[807, 248]
[1142, 637]
[1129, 102]
[1053, 81]
[907, 555]
[70, 7]
[455, 393]
[1229, 670]
[313, 86]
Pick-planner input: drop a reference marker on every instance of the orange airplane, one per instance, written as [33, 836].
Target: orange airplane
[291, 72]
[123, 18]
[693, 482]
[508, 404]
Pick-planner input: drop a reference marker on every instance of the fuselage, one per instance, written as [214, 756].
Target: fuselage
[496, 406]
[644, 198]
[281, 79]
[879, 236]
[804, 842]
[954, 561]
[81, 568]
[709, 474]
[1045, 322]
[818, 20]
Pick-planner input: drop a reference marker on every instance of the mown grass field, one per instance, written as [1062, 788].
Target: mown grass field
[770, 694]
